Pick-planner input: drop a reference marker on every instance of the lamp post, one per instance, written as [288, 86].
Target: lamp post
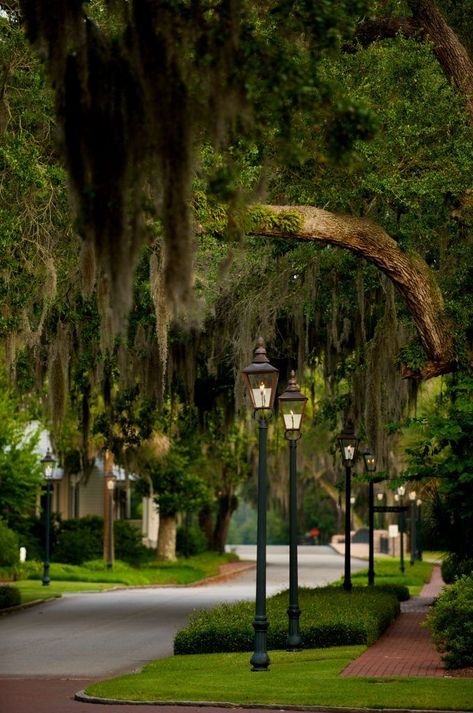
[110, 480]
[352, 503]
[370, 467]
[419, 530]
[413, 535]
[380, 498]
[261, 380]
[292, 405]
[401, 491]
[48, 463]
[348, 444]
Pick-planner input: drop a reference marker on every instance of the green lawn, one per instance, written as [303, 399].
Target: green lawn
[95, 576]
[308, 678]
[34, 590]
[387, 572]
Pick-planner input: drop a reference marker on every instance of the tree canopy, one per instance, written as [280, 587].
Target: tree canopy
[218, 153]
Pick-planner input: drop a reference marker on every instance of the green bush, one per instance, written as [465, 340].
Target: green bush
[190, 541]
[9, 597]
[21, 570]
[401, 591]
[78, 540]
[451, 623]
[128, 544]
[81, 539]
[9, 546]
[454, 566]
[330, 617]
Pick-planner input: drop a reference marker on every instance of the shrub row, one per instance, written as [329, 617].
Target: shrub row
[330, 617]
[9, 597]
[451, 623]
[454, 566]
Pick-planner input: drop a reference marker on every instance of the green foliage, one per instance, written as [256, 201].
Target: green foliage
[190, 541]
[9, 597]
[9, 546]
[263, 218]
[441, 447]
[330, 617]
[20, 467]
[128, 545]
[81, 539]
[455, 566]
[451, 623]
[78, 540]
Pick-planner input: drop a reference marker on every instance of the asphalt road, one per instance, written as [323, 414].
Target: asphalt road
[94, 635]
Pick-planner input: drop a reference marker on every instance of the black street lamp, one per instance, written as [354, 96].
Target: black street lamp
[348, 444]
[292, 405]
[48, 463]
[370, 467]
[380, 498]
[401, 491]
[413, 518]
[110, 480]
[419, 530]
[261, 381]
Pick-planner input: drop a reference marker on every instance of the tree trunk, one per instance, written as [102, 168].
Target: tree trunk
[205, 524]
[448, 49]
[409, 273]
[227, 504]
[166, 549]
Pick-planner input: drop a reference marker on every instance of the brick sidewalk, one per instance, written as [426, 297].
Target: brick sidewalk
[406, 648]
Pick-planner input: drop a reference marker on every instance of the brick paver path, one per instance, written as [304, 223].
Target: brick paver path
[406, 648]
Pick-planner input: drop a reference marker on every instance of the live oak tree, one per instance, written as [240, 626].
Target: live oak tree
[235, 64]
[249, 79]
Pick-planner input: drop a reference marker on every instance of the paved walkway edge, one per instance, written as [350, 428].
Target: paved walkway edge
[84, 698]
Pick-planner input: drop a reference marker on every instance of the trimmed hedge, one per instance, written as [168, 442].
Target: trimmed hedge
[454, 566]
[9, 597]
[330, 617]
[451, 623]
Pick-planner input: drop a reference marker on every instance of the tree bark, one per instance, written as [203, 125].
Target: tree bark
[166, 549]
[206, 525]
[226, 506]
[409, 273]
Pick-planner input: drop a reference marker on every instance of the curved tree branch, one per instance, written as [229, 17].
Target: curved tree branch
[409, 273]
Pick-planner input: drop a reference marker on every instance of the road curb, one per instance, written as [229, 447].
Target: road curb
[84, 698]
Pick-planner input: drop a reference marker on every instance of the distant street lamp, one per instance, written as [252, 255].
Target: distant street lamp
[48, 463]
[348, 444]
[413, 517]
[380, 498]
[110, 480]
[370, 467]
[401, 491]
[292, 405]
[261, 380]
[419, 530]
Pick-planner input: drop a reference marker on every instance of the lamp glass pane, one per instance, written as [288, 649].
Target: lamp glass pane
[261, 386]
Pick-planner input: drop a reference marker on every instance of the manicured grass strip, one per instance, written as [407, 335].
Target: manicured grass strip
[184, 571]
[308, 678]
[387, 572]
[330, 617]
[33, 590]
